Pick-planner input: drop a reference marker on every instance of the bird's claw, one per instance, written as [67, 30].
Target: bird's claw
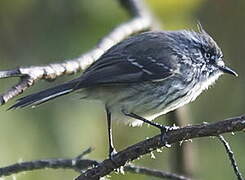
[112, 153]
[164, 130]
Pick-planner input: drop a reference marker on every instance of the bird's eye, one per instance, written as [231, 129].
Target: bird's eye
[207, 55]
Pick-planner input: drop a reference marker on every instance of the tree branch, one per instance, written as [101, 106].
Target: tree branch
[78, 164]
[137, 150]
[231, 157]
[141, 21]
[100, 169]
[154, 172]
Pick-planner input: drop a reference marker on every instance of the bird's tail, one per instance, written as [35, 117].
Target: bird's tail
[46, 95]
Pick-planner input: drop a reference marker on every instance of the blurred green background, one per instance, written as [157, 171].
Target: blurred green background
[35, 32]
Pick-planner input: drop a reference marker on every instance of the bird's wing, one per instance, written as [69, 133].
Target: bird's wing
[141, 58]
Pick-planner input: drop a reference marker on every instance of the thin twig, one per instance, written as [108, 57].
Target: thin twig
[231, 157]
[79, 165]
[137, 150]
[154, 172]
[141, 21]
[87, 151]
[76, 163]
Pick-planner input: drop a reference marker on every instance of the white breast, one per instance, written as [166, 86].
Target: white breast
[152, 114]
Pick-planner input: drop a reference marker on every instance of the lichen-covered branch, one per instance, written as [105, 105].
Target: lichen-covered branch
[140, 21]
[137, 150]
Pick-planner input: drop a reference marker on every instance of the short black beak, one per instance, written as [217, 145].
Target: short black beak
[228, 70]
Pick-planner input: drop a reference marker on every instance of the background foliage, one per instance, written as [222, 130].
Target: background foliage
[34, 32]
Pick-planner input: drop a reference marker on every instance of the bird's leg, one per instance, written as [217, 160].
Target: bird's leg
[112, 150]
[163, 129]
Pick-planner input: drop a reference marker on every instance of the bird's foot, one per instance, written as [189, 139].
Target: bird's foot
[112, 152]
[164, 130]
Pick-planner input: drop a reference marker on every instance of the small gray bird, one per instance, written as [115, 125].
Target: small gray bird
[145, 76]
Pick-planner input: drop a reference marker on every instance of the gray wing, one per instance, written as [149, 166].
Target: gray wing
[145, 57]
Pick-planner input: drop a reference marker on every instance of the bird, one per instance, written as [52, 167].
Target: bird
[145, 76]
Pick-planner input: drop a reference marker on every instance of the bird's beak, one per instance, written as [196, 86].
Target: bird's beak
[226, 69]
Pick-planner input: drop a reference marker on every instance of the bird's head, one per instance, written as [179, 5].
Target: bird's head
[201, 51]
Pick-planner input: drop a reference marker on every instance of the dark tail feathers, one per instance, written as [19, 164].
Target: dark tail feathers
[46, 95]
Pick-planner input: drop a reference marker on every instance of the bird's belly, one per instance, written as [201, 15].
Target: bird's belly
[148, 101]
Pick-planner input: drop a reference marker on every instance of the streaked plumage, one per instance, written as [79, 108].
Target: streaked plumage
[148, 74]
